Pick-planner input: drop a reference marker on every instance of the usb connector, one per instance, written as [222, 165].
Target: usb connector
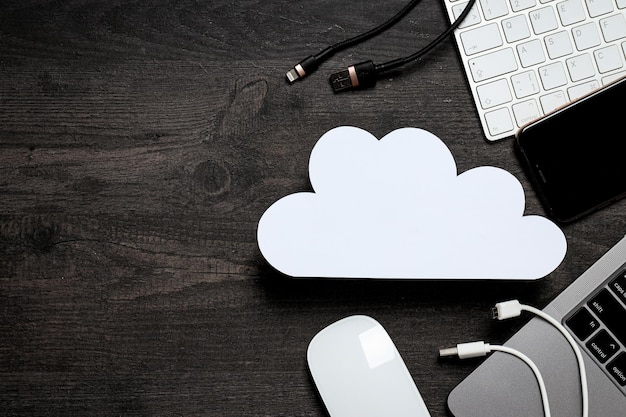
[362, 75]
[506, 310]
[302, 69]
[467, 350]
[293, 75]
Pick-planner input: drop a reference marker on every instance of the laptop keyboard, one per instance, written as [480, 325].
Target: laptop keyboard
[600, 324]
[525, 58]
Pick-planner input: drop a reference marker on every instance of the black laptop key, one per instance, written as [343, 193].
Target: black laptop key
[582, 323]
[603, 346]
[610, 312]
[617, 369]
[618, 285]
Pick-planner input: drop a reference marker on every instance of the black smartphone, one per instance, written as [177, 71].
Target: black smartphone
[576, 155]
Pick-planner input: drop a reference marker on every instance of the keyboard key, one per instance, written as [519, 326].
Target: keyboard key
[613, 27]
[543, 20]
[618, 286]
[602, 346]
[571, 11]
[613, 77]
[531, 53]
[494, 8]
[582, 89]
[517, 5]
[558, 44]
[525, 84]
[493, 64]
[552, 75]
[621, 4]
[586, 36]
[473, 18]
[617, 369]
[552, 101]
[610, 312]
[582, 323]
[499, 121]
[494, 94]
[481, 39]
[515, 28]
[599, 7]
[526, 112]
[580, 67]
[608, 59]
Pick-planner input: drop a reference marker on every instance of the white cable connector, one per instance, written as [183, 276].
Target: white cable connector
[476, 349]
[514, 308]
[506, 310]
[467, 350]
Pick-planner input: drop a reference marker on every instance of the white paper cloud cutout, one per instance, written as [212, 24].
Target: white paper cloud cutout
[396, 208]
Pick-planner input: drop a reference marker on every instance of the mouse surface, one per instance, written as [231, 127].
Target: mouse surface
[359, 372]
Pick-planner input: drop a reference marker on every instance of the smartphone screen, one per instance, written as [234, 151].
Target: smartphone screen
[576, 156]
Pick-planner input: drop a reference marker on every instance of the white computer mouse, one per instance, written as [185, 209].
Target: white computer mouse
[359, 372]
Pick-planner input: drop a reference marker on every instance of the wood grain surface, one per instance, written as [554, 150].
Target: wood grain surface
[141, 141]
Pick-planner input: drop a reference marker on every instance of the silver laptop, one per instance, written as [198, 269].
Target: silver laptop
[593, 309]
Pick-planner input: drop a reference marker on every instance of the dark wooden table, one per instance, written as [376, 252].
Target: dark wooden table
[141, 141]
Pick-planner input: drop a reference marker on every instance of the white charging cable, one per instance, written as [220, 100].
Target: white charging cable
[476, 349]
[514, 308]
[510, 309]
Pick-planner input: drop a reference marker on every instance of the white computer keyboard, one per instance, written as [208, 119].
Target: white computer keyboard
[524, 58]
